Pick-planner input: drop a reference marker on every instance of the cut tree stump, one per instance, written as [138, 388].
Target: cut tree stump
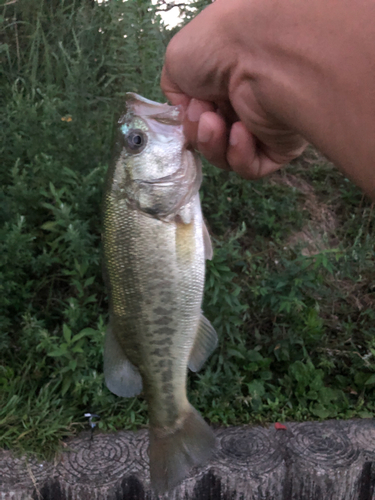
[332, 460]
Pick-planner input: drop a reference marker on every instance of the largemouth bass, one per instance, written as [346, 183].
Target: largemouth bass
[155, 246]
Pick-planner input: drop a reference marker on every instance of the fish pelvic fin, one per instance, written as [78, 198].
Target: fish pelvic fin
[208, 251]
[121, 376]
[204, 344]
[172, 455]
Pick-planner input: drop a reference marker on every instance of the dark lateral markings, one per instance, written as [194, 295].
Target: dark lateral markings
[161, 353]
[332, 460]
[163, 320]
[160, 311]
[164, 341]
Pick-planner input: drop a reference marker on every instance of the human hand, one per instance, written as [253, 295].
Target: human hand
[258, 77]
[229, 116]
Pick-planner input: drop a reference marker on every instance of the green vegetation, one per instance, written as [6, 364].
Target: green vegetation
[290, 290]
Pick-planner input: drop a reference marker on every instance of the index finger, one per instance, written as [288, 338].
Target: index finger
[171, 91]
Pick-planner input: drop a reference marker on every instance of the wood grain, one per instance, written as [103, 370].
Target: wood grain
[332, 460]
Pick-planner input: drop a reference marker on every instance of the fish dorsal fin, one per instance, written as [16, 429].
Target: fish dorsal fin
[208, 252]
[204, 344]
[121, 377]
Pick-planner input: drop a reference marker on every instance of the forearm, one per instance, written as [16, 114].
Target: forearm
[312, 68]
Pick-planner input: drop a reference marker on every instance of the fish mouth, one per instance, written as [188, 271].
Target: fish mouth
[167, 181]
[158, 183]
[160, 112]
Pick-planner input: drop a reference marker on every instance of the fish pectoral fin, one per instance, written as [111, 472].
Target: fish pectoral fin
[204, 345]
[185, 214]
[121, 376]
[208, 252]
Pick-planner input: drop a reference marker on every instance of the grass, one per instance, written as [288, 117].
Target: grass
[302, 283]
[290, 290]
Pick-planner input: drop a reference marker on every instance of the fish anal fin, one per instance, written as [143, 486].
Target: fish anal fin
[172, 455]
[121, 376]
[204, 344]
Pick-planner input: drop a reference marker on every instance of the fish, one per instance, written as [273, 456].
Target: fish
[155, 246]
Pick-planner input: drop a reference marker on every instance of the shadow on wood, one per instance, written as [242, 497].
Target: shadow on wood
[333, 460]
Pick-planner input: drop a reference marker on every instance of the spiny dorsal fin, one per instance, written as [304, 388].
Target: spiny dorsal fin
[121, 377]
[204, 345]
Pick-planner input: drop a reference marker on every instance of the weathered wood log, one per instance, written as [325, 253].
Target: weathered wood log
[333, 460]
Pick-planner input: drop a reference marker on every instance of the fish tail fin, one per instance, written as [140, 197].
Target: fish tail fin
[173, 455]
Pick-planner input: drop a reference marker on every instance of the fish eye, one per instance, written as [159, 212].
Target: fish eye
[135, 141]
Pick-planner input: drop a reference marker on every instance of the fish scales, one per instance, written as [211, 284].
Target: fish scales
[160, 309]
[155, 246]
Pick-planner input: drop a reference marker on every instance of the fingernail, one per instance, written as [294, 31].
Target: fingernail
[204, 132]
[233, 137]
[194, 110]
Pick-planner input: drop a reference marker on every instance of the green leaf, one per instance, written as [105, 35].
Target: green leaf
[320, 412]
[89, 281]
[266, 375]
[366, 414]
[299, 371]
[312, 395]
[67, 333]
[77, 350]
[252, 367]
[49, 226]
[67, 382]
[72, 365]
[256, 388]
[58, 352]
[86, 332]
[235, 353]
